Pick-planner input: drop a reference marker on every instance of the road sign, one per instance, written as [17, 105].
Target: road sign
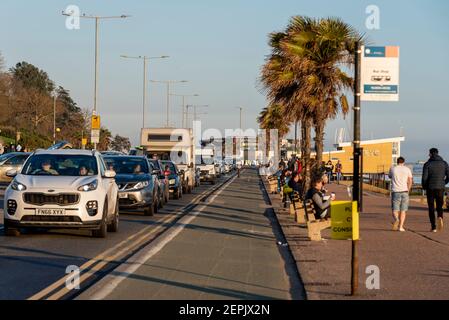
[96, 123]
[380, 73]
[84, 141]
[95, 136]
[344, 220]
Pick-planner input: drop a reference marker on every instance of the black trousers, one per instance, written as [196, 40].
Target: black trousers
[435, 196]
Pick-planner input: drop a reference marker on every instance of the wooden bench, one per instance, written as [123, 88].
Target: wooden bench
[273, 184]
[314, 226]
[297, 208]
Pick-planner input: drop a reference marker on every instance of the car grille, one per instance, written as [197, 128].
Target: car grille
[73, 219]
[40, 199]
[126, 186]
[126, 202]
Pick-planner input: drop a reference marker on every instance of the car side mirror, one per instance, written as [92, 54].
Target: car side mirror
[109, 174]
[11, 173]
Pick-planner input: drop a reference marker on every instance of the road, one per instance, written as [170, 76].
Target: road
[33, 261]
[221, 242]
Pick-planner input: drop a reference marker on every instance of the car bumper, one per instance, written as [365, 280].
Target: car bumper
[135, 199]
[75, 216]
[207, 177]
[69, 224]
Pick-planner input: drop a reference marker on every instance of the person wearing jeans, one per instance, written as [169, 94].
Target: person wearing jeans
[434, 179]
[401, 184]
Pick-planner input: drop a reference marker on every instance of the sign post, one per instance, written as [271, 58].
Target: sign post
[95, 130]
[376, 78]
[380, 73]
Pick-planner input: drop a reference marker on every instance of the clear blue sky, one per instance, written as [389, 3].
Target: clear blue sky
[219, 46]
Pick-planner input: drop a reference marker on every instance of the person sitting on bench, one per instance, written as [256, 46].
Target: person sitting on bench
[321, 202]
[295, 183]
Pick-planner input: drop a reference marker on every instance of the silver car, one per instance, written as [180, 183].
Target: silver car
[137, 183]
[11, 161]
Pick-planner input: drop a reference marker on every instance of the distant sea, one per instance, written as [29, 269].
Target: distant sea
[417, 169]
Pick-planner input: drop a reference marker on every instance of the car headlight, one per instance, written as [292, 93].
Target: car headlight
[172, 181]
[141, 185]
[89, 187]
[18, 186]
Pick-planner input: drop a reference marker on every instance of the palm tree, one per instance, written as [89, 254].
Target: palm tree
[304, 73]
[273, 117]
[320, 49]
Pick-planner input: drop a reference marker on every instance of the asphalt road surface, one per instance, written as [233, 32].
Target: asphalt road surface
[33, 263]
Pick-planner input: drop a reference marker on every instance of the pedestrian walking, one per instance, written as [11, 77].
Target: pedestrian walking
[329, 170]
[338, 171]
[434, 179]
[401, 184]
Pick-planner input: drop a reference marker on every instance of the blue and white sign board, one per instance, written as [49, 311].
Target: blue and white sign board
[380, 73]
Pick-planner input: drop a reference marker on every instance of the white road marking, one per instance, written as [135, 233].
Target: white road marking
[108, 284]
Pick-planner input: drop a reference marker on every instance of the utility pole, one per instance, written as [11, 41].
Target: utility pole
[168, 83]
[184, 106]
[97, 26]
[54, 118]
[145, 60]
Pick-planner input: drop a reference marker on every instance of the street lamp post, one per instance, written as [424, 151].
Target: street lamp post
[168, 83]
[54, 117]
[97, 25]
[145, 60]
[241, 110]
[184, 106]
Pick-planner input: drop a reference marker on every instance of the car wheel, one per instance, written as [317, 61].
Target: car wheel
[113, 227]
[176, 194]
[160, 203]
[10, 232]
[102, 231]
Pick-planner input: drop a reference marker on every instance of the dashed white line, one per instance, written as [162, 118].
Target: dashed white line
[111, 282]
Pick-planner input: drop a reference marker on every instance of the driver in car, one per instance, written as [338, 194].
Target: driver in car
[138, 169]
[46, 169]
[84, 171]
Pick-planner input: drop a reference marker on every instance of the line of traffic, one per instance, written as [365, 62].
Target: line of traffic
[92, 268]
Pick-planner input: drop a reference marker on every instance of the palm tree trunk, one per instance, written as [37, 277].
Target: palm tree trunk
[296, 137]
[306, 128]
[319, 141]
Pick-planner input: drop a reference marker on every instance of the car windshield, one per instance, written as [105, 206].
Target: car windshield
[170, 166]
[155, 164]
[5, 157]
[127, 165]
[61, 165]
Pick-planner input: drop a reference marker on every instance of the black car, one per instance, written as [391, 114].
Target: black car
[174, 178]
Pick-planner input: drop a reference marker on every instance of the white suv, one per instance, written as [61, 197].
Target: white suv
[62, 189]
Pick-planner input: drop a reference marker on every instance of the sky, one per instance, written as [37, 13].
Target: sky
[219, 47]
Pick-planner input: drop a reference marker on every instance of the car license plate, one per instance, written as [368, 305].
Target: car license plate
[50, 212]
[123, 195]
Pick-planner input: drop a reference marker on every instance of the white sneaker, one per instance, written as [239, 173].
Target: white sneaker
[401, 230]
[434, 230]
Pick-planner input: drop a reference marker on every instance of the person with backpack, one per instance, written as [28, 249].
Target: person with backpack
[434, 179]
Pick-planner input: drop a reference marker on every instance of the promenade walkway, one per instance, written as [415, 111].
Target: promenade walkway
[413, 265]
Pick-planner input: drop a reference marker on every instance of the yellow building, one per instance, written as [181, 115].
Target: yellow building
[378, 155]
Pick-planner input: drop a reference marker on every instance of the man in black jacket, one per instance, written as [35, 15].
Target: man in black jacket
[434, 179]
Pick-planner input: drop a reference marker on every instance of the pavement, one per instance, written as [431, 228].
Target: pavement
[229, 248]
[412, 265]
